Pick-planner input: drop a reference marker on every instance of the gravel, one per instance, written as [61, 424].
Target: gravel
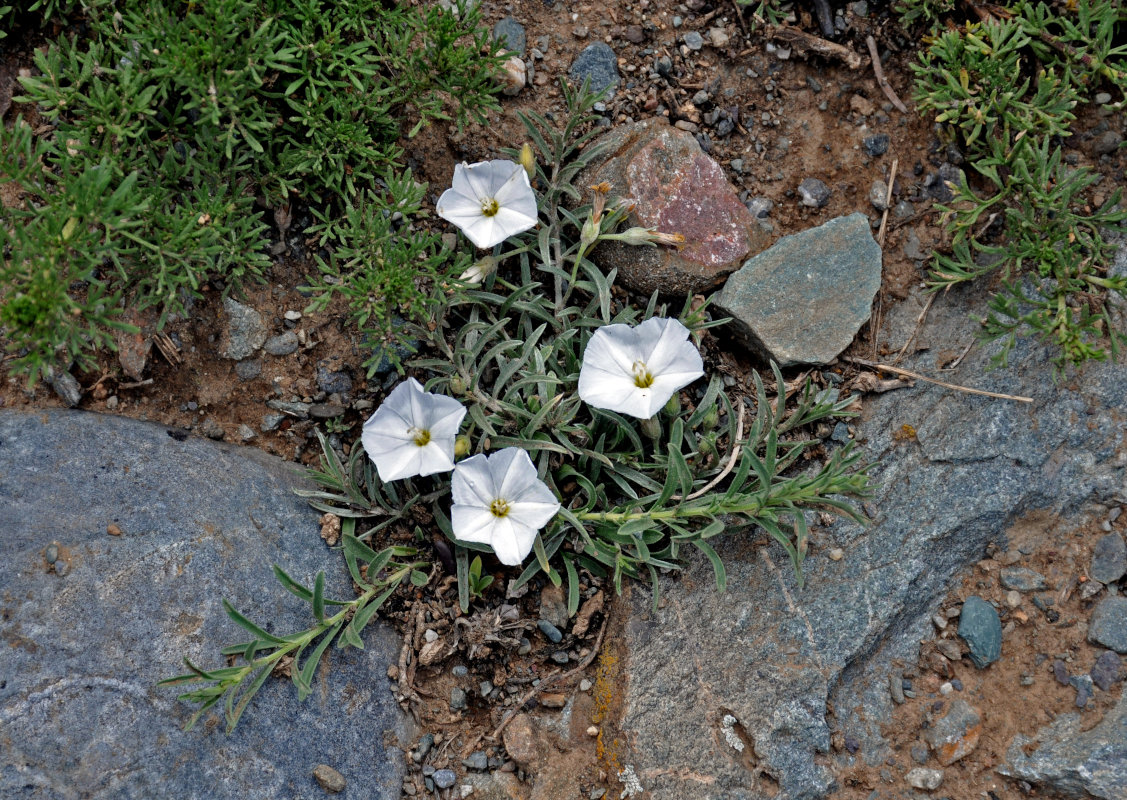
[981, 628]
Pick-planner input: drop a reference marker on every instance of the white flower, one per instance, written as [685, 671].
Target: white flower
[499, 501]
[412, 432]
[636, 370]
[490, 201]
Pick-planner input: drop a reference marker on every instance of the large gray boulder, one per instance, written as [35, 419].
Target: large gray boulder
[776, 658]
[87, 638]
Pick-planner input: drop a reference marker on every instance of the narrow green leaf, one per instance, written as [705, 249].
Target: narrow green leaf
[319, 596]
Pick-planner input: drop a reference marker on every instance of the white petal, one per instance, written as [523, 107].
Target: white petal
[614, 392]
[472, 484]
[485, 177]
[457, 207]
[402, 462]
[484, 232]
[435, 457]
[536, 513]
[389, 434]
[516, 193]
[513, 221]
[512, 541]
[472, 524]
[513, 472]
[464, 183]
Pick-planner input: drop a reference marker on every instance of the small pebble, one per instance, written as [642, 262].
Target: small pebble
[525, 647]
[814, 193]
[592, 731]
[422, 748]
[283, 344]
[585, 685]
[457, 698]
[459, 671]
[876, 145]
[560, 657]
[113, 529]
[693, 40]
[51, 553]
[896, 687]
[1013, 598]
[329, 779]
[485, 688]
[958, 684]
[1021, 579]
[946, 688]
[1109, 559]
[477, 761]
[1102, 98]
[919, 753]
[444, 778]
[836, 554]
[551, 631]
[981, 628]
[878, 194]
[1083, 686]
[1060, 672]
[927, 779]
[1107, 671]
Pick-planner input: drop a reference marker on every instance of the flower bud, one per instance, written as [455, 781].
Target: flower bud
[479, 270]
[652, 428]
[528, 161]
[673, 405]
[461, 446]
[457, 385]
[711, 419]
[589, 233]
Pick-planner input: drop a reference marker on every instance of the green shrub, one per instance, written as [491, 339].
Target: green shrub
[186, 113]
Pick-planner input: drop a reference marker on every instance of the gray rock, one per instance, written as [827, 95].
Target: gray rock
[80, 706]
[270, 422]
[282, 345]
[444, 778]
[760, 207]
[1083, 686]
[248, 369]
[876, 145]
[1021, 579]
[597, 64]
[956, 733]
[1106, 143]
[510, 33]
[693, 40]
[878, 195]
[1108, 625]
[927, 779]
[457, 698]
[329, 779]
[1109, 558]
[477, 761]
[550, 630]
[330, 380]
[814, 193]
[326, 410]
[786, 653]
[981, 629]
[1107, 671]
[65, 386]
[1070, 762]
[803, 300]
[245, 332]
[212, 429]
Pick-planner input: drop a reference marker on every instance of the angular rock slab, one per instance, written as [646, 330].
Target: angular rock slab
[1072, 762]
[803, 300]
[777, 658]
[675, 188]
[80, 712]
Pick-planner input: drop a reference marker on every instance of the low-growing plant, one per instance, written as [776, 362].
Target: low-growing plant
[197, 110]
[1005, 89]
[519, 355]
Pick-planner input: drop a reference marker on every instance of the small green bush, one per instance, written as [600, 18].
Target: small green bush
[183, 115]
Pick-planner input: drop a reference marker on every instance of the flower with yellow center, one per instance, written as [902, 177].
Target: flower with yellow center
[412, 432]
[490, 201]
[636, 370]
[500, 501]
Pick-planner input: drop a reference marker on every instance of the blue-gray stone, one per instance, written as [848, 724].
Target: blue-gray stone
[510, 33]
[693, 40]
[551, 631]
[1108, 625]
[981, 629]
[330, 380]
[444, 778]
[1066, 761]
[877, 144]
[282, 345]
[248, 369]
[598, 64]
[814, 193]
[245, 332]
[1021, 579]
[1107, 671]
[1083, 686]
[476, 761]
[400, 350]
[80, 708]
[457, 698]
[803, 300]
[1109, 558]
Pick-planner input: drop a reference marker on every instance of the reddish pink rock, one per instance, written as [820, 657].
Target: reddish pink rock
[675, 188]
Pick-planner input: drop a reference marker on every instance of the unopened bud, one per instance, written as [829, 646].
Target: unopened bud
[673, 405]
[652, 428]
[461, 446]
[479, 270]
[528, 161]
[637, 236]
[457, 385]
[589, 233]
[711, 419]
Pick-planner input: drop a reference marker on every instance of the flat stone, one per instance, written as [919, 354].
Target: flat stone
[331, 379]
[803, 300]
[956, 733]
[65, 385]
[521, 740]
[598, 65]
[282, 345]
[1022, 579]
[444, 778]
[675, 188]
[82, 713]
[329, 779]
[1108, 625]
[1109, 558]
[133, 348]
[876, 145]
[787, 654]
[244, 333]
[1066, 761]
[510, 33]
[814, 193]
[981, 628]
[497, 786]
[1107, 671]
[553, 606]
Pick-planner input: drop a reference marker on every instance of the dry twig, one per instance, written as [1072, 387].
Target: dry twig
[736, 450]
[882, 81]
[916, 330]
[808, 43]
[909, 374]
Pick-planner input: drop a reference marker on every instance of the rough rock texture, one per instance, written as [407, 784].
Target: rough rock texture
[803, 300]
[598, 66]
[87, 638]
[245, 332]
[676, 188]
[1071, 762]
[772, 655]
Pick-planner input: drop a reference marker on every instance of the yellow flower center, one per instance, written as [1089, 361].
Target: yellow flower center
[422, 436]
[490, 207]
[499, 508]
[643, 378]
